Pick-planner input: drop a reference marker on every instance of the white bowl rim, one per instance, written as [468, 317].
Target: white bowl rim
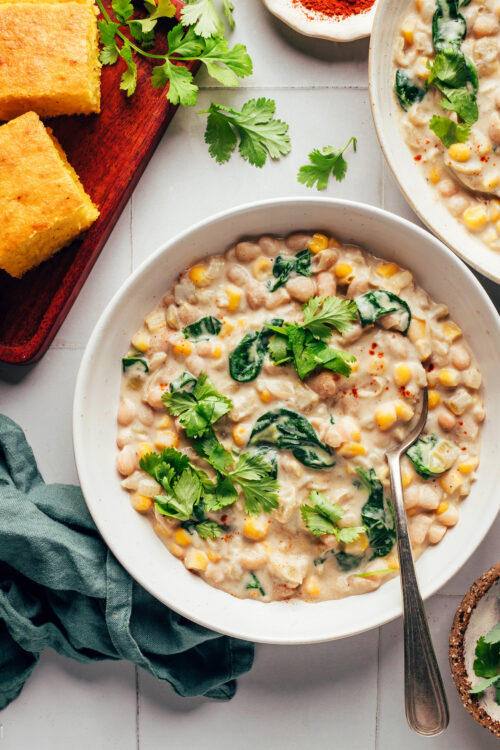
[378, 120]
[427, 589]
[333, 29]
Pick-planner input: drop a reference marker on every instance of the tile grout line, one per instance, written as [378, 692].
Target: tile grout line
[279, 87]
[137, 710]
[131, 232]
[377, 707]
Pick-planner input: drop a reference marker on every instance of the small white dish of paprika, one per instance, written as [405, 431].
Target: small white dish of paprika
[336, 20]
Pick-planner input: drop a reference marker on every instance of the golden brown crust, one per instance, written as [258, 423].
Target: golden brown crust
[43, 205]
[48, 58]
[456, 649]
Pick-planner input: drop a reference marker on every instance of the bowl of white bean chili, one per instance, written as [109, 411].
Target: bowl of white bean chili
[435, 95]
[236, 398]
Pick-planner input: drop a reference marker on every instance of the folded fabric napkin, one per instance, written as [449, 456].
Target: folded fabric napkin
[61, 587]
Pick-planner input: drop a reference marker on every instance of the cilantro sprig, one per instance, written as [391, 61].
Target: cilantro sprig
[198, 408]
[324, 163]
[204, 42]
[305, 345]
[255, 128]
[456, 78]
[204, 17]
[322, 517]
[487, 662]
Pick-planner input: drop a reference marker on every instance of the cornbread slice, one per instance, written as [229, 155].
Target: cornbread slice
[48, 58]
[43, 205]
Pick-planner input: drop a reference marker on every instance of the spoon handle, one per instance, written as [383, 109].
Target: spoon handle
[425, 700]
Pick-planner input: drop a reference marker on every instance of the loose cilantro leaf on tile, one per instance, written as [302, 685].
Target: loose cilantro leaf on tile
[324, 163]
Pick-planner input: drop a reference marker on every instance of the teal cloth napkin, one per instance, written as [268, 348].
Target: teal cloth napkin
[61, 587]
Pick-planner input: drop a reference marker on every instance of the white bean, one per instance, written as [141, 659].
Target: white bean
[238, 274]
[324, 260]
[247, 251]
[457, 204]
[327, 285]
[449, 517]
[494, 128]
[277, 298]
[418, 526]
[270, 245]
[446, 420]
[356, 287]
[301, 288]
[436, 533]
[126, 411]
[447, 188]
[422, 496]
[460, 357]
[256, 295]
[296, 242]
[324, 384]
[253, 558]
[485, 25]
[126, 461]
[194, 364]
[153, 397]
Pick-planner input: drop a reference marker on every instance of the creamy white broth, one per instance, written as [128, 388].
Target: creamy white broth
[358, 417]
[456, 175]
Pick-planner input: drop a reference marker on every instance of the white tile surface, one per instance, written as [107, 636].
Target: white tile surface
[343, 694]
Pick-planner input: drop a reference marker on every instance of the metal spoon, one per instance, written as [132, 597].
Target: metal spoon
[425, 699]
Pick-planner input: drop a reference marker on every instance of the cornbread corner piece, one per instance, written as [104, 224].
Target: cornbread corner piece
[49, 58]
[43, 205]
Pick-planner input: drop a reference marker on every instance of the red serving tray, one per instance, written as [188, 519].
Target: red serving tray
[109, 152]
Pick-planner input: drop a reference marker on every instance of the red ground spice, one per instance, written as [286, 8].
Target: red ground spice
[341, 8]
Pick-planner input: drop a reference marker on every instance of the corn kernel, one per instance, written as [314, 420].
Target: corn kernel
[165, 422]
[484, 148]
[423, 348]
[141, 503]
[459, 152]
[386, 270]
[233, 298]
[343, 270]
[140, 342]
[143, 449]
[489, 184]
[199, 276]
[265, 396]
[450, 482]
[354, 366]
[475, 217]
[226, 330]
[176, 550]
[360, 545]
[182, 537]
[494, 210]
[156, 321]
[163, 530]
[434, 175]
[196, 560]
[349, 450]
[417, 329]
[448, 377]
[402, 374]
[422, 68]
[311, 586]
[262, 268]
[407, 34]
[350, 469]
[213, 556]
[404, 411]
[393, 562]
[182, 348]
[333, 242]
[319, 242]
[242, 322]
[239, 434]
[433, 399]
[386, 416]
[407, 477]
[166, 439]
[256, 528]
[217, 352]
[468, 466]
[355, 434]
[451, 330]
[442, 507]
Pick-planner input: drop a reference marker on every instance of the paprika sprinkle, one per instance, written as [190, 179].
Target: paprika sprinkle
[339, 8]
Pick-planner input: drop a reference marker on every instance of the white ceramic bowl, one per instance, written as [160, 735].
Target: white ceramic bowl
[131, 537]
[321, 26]
[385, 108]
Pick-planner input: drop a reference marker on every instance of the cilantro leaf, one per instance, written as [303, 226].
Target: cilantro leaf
[208, 529]
[449, 131]
[487, 659]
[199, 409]
[122, 9]
[225, 494]
[228, 12]
[107, 31]
[321, 516]
[181, 88]
[162, 9]
[321, 312]
[260, 135]
[109, 54]
[209, 448]
[349, 534]
[129, 77]
[202, 15]
[483, 685]
[259, 488]
[324, 163]
[493, 636]
[309, 353]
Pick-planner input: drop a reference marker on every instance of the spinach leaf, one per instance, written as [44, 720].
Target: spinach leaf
[288, 430]
[346, 561]
[406, 89]
[255, 584]
[203, 328]
[432, 456]
[132, 360]
[377, 516]
[373, 305]
[286, 268]
[448, 25]
[245, 362]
